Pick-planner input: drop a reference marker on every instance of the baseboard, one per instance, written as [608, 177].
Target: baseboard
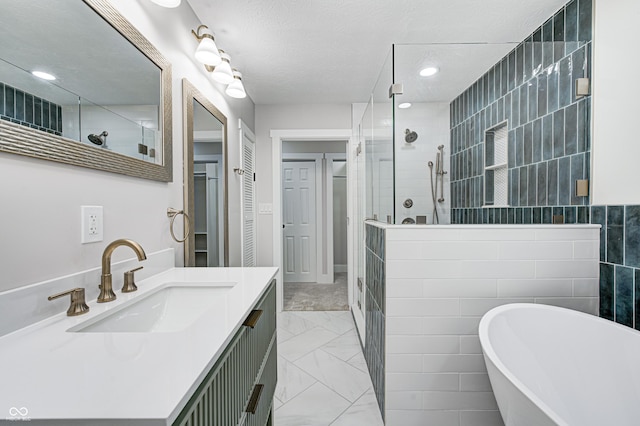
[339, 268]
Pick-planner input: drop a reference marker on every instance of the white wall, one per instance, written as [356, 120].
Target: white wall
[280, 117]
[431, 122]
[40, 219]
[616, 148]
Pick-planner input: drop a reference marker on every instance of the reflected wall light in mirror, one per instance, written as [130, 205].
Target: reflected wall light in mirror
[126, 91]
[167, 3]
[205, 180]
[43, 75]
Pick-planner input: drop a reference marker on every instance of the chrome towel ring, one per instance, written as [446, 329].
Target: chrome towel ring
[172, 213]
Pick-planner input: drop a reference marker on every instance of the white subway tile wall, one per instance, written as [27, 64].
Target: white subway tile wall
[435, 371]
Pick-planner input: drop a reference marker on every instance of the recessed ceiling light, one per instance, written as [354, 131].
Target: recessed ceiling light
[43, 75]
[428, 72]
[404, 105]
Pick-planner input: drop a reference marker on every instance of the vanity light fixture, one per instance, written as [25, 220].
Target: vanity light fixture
[404, 105]
[167, 3]
[43, 75]
[207, 51]
[429, 71]
[236, 89]
[222, 72]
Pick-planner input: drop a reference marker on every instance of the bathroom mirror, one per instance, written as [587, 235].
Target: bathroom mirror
[109, 104]
[205, 184]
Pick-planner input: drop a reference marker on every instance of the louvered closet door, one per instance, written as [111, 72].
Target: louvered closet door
[248, 203]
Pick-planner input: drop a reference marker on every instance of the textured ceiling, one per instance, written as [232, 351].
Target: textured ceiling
[332, 51]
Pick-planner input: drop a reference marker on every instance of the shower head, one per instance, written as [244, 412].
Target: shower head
[409, 136]
[441, 147]
[100, 139]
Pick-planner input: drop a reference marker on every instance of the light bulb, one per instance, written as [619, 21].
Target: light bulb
[207, 51]
[236, 88]
[222, 72]
[404, 105]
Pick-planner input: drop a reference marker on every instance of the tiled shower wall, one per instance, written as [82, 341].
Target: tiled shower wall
[375, 311]
[533, 89]
[28, 110]
[619, 263]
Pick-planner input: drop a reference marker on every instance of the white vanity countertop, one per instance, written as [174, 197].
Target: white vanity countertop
[56, 374]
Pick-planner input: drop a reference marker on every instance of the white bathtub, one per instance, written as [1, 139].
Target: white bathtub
[555, 366]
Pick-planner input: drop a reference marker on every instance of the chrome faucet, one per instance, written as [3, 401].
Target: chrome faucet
[106, 284]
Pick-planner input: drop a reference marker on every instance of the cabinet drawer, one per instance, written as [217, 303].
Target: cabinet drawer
[222, 397]
[267, 380]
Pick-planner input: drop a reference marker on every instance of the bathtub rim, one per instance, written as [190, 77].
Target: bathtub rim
[489, 352]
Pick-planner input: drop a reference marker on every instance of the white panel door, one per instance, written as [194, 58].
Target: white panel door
[299, 219]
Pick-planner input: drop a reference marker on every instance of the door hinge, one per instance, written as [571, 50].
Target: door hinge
[395, 89]
[254, 177]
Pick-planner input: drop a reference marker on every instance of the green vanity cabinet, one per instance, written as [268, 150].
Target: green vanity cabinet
[239, 389]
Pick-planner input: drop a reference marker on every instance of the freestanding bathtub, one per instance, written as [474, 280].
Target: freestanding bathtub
[555, 366]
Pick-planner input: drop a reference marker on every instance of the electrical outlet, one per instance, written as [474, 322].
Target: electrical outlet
[92, 220]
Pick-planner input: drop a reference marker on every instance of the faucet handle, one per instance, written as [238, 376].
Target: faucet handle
[78, 305]
[129, 285]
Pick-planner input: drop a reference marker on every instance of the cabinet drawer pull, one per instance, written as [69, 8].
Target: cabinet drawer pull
[253, 318]
[255, 399]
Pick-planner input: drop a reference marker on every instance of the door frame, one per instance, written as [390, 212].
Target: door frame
[316, 159]
[330, 158]
[277, 137]
[218, 160]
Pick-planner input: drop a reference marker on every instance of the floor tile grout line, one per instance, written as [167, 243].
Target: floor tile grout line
[305, 372]
[302, 391]
[307, 353]
[350, 406]
[328, 388]
[296, 334]
[326, 384]
[325, 350]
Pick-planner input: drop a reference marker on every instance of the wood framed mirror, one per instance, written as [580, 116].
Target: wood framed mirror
[205, 180]
[109, 107]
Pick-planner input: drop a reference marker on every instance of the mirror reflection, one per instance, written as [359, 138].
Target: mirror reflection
[75, 76]
[97, 88]
[208, 187]
[205, 185]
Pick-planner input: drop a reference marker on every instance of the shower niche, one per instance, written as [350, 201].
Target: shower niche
[496, 188]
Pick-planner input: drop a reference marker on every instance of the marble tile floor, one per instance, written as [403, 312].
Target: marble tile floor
[317, 297]
[322, 374]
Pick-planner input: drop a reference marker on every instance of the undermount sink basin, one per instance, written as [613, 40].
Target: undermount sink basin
[170, 308]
